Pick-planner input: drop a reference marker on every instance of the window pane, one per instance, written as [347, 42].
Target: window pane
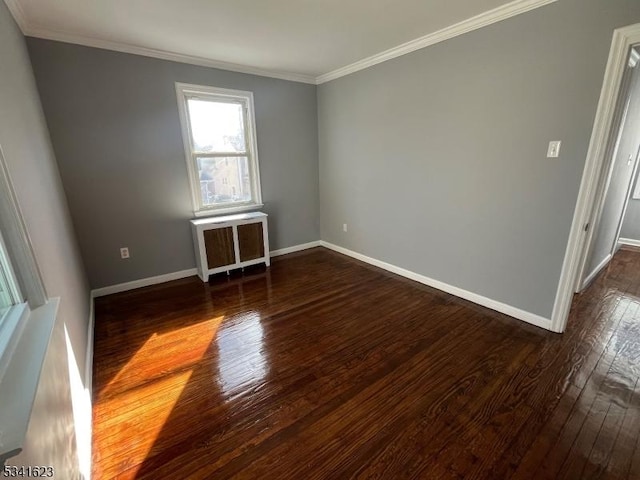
[224, 180]
[216, 127]
[5, 296]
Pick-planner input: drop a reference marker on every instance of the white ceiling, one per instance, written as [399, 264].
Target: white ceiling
[304, 37]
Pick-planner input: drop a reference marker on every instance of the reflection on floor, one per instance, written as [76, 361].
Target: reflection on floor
[323, 367]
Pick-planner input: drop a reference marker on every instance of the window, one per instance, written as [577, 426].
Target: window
[218, 129]
[25, 328]
[9, 294]
[13, 311]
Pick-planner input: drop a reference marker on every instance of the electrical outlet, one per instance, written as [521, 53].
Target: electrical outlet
[124, 252]
[554, 149]
[344, 227]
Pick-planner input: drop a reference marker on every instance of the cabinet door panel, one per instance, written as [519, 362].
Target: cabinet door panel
[219, 246]
[251, 241]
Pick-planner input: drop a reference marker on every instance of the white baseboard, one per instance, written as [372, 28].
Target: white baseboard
[167, 277]
[629, 241]
[143, 282]
[295, 248]
[517, 313]
[523, 315]
[596, 271]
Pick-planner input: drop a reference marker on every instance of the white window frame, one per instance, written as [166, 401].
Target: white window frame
[8, 276]
[185, 91]
[19, 253]
[12, 320]
[26, 290]
[25, 329]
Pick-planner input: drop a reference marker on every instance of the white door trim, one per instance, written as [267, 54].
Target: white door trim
[594, 169]
[602, 188]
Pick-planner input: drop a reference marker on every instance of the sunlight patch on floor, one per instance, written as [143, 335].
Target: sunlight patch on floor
[165, 352]
[159, 372]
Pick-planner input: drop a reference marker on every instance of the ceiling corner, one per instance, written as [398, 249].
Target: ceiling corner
[18, 13]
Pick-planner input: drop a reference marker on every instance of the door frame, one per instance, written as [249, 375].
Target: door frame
[594, 174]
[584, 278]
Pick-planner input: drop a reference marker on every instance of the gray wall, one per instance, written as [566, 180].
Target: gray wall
[114, 124]
[32, 167]
[618, 190]
[436, 159]
[631, 223]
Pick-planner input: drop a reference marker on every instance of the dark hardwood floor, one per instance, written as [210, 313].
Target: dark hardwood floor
[323, 367]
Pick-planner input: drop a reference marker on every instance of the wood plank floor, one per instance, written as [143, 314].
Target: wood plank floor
[324, 367]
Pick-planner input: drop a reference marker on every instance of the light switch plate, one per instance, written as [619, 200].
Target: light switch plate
[554, 149]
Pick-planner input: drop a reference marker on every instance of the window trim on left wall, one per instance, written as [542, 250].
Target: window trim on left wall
[17, 242]
[13, 319]
[26, 327]
[8, 280]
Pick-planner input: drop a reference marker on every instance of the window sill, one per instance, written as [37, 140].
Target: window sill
[22, 368]
[214, 212]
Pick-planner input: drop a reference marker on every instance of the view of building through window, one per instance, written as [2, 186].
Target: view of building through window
[224, 180]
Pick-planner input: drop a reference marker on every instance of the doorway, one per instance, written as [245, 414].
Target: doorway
[597, 174]
[608, 219]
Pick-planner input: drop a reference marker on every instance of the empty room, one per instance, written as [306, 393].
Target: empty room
[320, 240]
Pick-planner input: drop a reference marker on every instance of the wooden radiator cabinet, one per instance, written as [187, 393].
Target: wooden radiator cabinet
[233, 241]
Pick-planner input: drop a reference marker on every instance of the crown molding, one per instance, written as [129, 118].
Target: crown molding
[18, 13]
[489, 17]
[47, 34]
[495, 15]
